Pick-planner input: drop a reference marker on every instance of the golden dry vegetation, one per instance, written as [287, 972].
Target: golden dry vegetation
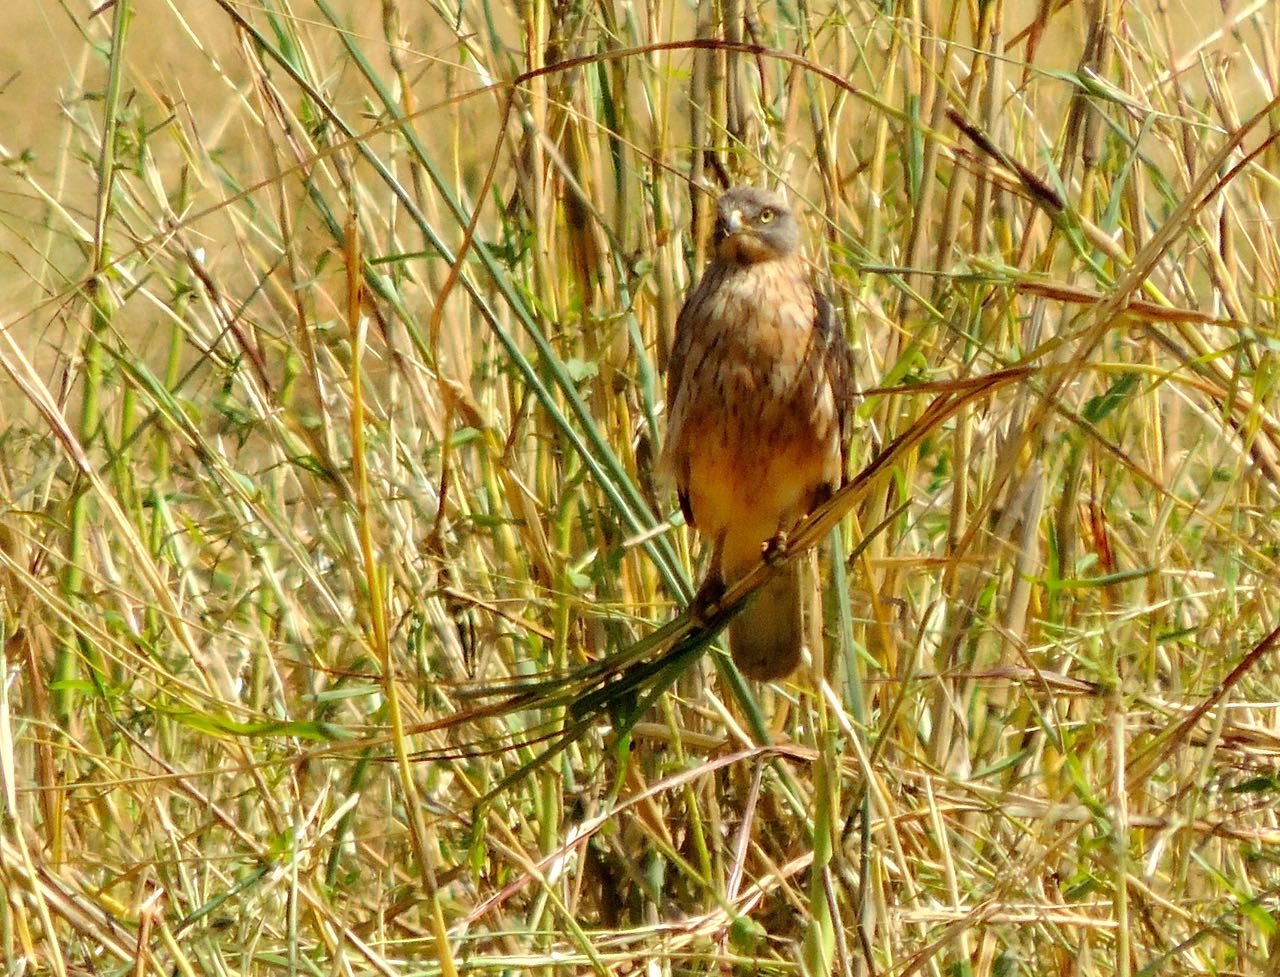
[342, 617]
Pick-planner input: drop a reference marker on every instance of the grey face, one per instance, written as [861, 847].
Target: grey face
[754, 225]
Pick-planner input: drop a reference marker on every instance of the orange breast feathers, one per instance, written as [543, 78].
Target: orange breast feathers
[754, 438]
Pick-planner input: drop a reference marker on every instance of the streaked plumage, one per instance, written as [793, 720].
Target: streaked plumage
[758, 398]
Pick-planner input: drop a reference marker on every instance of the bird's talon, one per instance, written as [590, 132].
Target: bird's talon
[706, 601]
[775, 549]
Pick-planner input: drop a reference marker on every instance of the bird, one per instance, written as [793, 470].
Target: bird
[759, 390]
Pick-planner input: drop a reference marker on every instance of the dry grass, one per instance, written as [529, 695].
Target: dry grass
[341, 634]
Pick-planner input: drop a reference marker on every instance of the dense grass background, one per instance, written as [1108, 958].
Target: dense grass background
[335, 591]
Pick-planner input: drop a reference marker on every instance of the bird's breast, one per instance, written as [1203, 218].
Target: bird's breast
[753, 328]
[753, 427]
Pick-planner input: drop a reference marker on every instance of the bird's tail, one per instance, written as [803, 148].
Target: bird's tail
[767, 636]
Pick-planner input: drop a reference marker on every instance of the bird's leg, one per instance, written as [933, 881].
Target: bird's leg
[706, 601]
[774, 550]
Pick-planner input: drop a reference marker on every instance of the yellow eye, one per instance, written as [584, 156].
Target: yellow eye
[766, 215]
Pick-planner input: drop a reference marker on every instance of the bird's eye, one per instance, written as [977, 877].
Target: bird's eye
[766, 215]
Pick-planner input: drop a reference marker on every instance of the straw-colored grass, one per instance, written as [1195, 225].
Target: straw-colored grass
[341, 613]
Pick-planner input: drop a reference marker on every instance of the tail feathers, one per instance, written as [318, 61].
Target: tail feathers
[767, 636]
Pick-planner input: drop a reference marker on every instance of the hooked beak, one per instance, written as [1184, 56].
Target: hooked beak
[736, 240]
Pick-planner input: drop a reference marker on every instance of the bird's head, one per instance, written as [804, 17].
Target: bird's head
[754, 225]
